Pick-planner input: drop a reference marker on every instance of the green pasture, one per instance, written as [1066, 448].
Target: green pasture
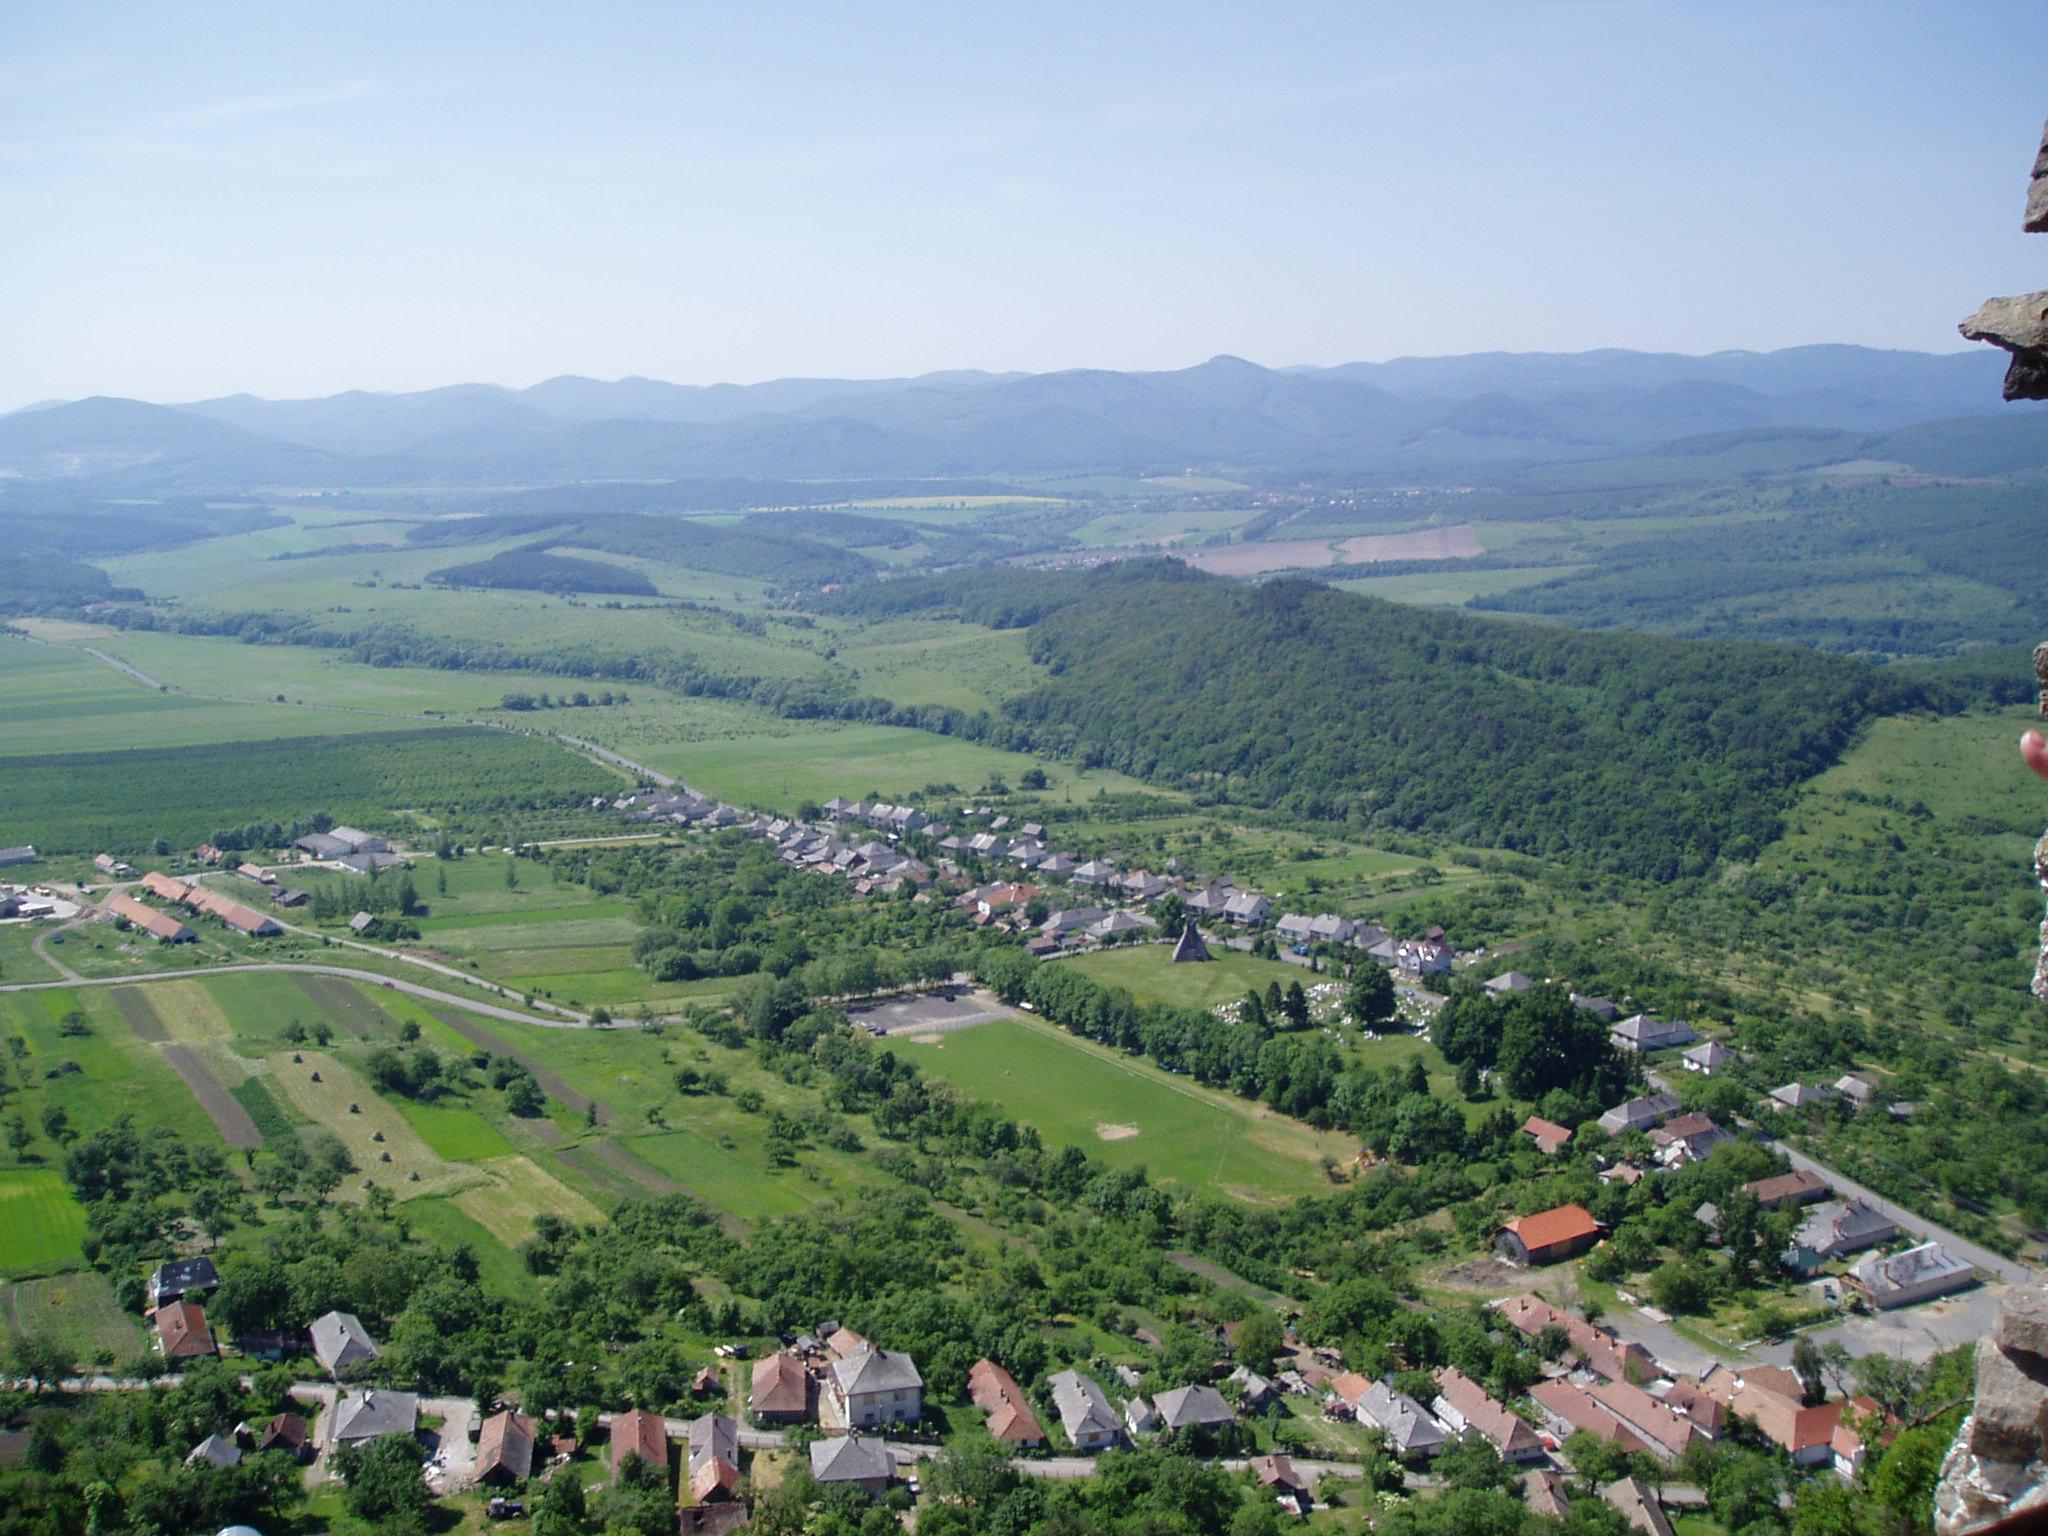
[41, 1225]
[454, 1131]
[926, 661]
[1148, 973]
[1083, 1095]
[438, 1217]
[77, 1310]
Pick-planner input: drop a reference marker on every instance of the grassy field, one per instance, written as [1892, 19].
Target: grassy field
[916, 661]
[41, 1225]
[1128, 1113]
[77, 1311]
[1148, 973]
[455, 1132]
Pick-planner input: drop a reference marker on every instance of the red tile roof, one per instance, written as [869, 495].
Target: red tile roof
[996, 1393]
[1560, 1224]
[181, 1329]
[639, 1433]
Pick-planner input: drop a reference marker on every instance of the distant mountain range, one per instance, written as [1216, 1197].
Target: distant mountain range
[1487, 414]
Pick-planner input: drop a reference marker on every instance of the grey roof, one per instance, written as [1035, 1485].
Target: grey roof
[1189, 1407]
[1123, 922]
[1405, 1422]
[1708, 1054]
[1884, 1275]
[373, 1412]
[851, 1459]
[1072, 917]
[321, 846]
[1842, 1226]
[714, 1437]
[1510, 981]
[1798, 1095]
[1639, 1114]
[1641, 1032]
[176, 1276]
[1083, 1409]
[876, 1370]
[1599, 1007]
[340, 1340]
[215, 1451]
[1247, 904]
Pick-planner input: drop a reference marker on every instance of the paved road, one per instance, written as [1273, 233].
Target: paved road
[375, 978]
[652, 775]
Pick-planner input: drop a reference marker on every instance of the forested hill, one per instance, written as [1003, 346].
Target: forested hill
[1641, 754]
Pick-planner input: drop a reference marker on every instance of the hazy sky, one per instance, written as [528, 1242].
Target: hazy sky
[296, 199]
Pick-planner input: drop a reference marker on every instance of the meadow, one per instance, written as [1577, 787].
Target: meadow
[1127, 1113]
[76, 1310]
[41, 1225]
[1148, 973]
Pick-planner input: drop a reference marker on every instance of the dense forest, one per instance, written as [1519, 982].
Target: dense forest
[759, 552]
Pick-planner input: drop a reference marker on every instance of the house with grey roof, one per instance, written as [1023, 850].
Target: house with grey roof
[215, 1451]
[1834, 1229]
[1639, 1114]
[1098, 872]
[1294, 926]
[1210, 900]
[342, 1344]
[858, 1460]
[1408, 1426]
[1800, 1096]
[1247, 909]
[1085, 1412]
[1643, 1034]
[1193, 1407]
[1856, 1089]
[1918, 1274]
[373, 1413]
[1708, 1057]
[1599, 1007]
[1119, 923]
[1510, 981]
[871, 1387]
[1072, 920]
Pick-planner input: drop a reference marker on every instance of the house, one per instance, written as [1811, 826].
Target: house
[322, 846]
[642, 1434]
[1411, 1432]
[1424, 957]
[1140, 1418]
[1597, 1348]
[1255, 1393]
[1624, 1173]
[1296, 927]
[1546, 1237]
[1277, 1476]
[1708, 1057]
[1247, 909]
[1643, 1034]
[22, 853]
[1918, 1274]
[373, 1413]
[504, 1448]
[1856, 1090]
[871, 1387]
[1549, 1136]
[158, 925]
[1571, 1408]
[181, 1331]
[842, 1341]
[1465, 1408]
[1118, 924]
[286, 1432]
[361, 923]
[1085, 1413]
[1144, 886]
[1189, 948]
[1639, 1114]
[1329, 928]
[1835, 1229]
[1032, 829]
[996, 1393]
[1056, 866]
[1099, 872]
[1661, 1427]
[1210, 900]
[713, 1465]
[1195, 1407]
[1771, 1398]
[1510, 981]
[178, 1278]
[1543, 1494]
[342, 1344]
[1599, 1007]
[1799, 1096]
[1072, 920]
[215, 1451]
[781, 1391]
[1687, 1139]
[858, 1460]
[1785, 1190]
[1638, 1504]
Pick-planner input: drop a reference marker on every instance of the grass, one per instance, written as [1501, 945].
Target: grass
[1083, 1095]
[77, 1311]
[455, 1131]
[720, 1176]
[41, 1225]
[342, 1102]
[1148, 973]
[448, 1224]
[924, 661]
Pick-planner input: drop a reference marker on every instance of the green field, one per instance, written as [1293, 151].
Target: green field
[455, 1131]
[1083, 1095]
[77, 1311]
[41, 1225]
[1148, 973]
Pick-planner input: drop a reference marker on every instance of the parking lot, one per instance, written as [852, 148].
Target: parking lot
[932, 1014]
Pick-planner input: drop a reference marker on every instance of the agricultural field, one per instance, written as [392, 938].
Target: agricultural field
[77, 1311]
[923, 661]
[1128, 1113]
[41, 1225]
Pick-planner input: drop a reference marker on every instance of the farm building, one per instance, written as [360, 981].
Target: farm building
[322, 846]
[24, 853]
[1918, 1274]
[160, 926]
[1638, 1504]
[1276, 1474]
[215, 1451]
[781, 1391]
[996, 1393]
[257, 873]
[166, 887]
[176, 1279]
[286, 1432]
[643, 1434]
[1549, 1136]
[1834, 1230]
[1546, 1237]
[504, 1448]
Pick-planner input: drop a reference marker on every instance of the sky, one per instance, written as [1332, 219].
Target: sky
[198, 199]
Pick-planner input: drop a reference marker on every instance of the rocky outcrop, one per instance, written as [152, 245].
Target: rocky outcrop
[1999, 1463]
[2020, 325]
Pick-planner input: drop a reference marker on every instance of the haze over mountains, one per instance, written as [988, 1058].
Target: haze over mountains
[1364, 421]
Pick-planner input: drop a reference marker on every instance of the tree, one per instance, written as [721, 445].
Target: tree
[1679, 1286]
[524, 1098]
[560, 1510]
[1259, 1340]
[1806, 1364]
[1372, 995]
[636, 1502]
[384, 1484]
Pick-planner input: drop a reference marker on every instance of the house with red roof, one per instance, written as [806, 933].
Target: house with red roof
[1546, 1237]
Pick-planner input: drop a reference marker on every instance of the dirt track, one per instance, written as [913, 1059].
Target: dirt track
[229, 1118]
[141, 1015]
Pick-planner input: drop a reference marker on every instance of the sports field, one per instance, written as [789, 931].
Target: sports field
[1126, 1112]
